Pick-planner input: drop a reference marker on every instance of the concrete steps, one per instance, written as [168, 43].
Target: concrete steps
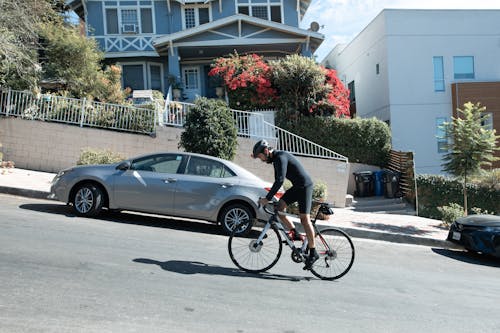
[382, 205]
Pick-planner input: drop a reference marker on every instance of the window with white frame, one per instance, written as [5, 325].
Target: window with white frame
[142, 75]
[191, 78]
[195, 15]
[265, 9]
[129, 19]
[463, 67]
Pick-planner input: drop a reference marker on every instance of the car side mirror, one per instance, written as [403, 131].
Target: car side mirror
[123, 166]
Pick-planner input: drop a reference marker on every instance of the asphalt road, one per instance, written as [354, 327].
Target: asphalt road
[134, 273]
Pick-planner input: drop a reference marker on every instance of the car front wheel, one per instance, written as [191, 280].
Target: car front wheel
[236, 216]
[88, 200]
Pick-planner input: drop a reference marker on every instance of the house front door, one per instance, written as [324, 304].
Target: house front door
[191, 81]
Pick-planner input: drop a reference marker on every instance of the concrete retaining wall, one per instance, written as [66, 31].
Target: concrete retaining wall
[50, 147]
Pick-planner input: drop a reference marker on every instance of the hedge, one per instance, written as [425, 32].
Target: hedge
[365, 141]
[435, 191]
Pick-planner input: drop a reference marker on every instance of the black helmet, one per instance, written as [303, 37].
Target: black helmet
[259, 147]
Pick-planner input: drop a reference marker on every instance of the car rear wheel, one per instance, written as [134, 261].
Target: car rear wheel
[236, 216]
[88, 200]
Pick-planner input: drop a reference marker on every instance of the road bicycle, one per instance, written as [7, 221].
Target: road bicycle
[261, 249]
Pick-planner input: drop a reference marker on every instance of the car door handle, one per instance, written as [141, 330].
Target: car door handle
[169, 180]
[226, 185]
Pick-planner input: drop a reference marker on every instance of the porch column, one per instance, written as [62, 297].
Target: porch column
[174, 68]
[306, 50]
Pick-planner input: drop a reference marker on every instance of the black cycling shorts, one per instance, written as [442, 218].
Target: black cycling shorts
[300, 194]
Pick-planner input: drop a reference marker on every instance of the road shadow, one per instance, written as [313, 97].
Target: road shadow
[126, 217]
[469, 257]
[408, 229]
[195, 267]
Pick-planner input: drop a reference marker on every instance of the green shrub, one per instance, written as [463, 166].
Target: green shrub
[451, 213]
[361, 140]
[320, 192]
[210, 129]
[98, 156]
[435, 191]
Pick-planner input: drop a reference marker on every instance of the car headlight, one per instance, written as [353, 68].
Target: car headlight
[60, 174]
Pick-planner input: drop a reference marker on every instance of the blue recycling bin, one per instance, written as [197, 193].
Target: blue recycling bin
[379, 184]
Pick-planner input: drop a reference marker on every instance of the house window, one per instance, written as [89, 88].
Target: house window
[263, 9]
[140, 76]
[155, 77]
[377, 69]
[191, 81]
[442, 141]
[195, 15]
[463, 67]
[438, 73]
[129, 19]
[133, 77]
[112, 21]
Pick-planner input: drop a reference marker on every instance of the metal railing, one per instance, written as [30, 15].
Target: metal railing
[254, 125]
[81, 112]
[77, 111]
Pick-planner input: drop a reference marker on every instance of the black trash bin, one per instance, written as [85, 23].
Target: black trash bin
[391, 182]
[364, 183]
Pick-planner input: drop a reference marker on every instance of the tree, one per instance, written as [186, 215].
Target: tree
[210, 129]
[19, 25]
[300, 82]
[471, 146]
[72, 58]
[247, 79]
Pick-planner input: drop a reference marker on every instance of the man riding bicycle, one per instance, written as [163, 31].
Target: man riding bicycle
[289, 167]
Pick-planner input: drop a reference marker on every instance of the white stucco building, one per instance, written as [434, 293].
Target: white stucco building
[403, 67]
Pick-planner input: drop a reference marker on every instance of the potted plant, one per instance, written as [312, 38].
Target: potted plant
[176, 85]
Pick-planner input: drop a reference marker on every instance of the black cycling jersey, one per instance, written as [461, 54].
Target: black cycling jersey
[287, 166]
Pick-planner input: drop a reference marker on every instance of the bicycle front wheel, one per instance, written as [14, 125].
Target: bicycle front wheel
[336, 254]
[253, 256]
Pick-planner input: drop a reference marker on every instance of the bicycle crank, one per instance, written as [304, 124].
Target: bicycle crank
[297, 256]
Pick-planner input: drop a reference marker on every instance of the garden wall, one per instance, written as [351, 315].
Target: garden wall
[50, 147]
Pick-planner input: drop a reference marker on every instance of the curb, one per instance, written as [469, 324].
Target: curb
[25, 192]
[353, 232]
[399, 238]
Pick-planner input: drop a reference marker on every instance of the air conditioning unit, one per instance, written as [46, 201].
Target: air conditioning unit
[129, 28]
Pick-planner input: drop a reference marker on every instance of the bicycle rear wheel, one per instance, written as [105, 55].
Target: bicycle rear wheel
[336, 254]
[251, 256]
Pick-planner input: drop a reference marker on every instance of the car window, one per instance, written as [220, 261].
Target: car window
[199, 166]
[168, 163]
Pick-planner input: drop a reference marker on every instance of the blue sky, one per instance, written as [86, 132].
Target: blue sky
[342, 20]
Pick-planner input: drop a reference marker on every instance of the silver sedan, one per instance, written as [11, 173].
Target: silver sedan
[176, 184]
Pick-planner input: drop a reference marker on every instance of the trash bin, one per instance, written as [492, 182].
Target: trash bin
[364, 183]
[391, 181]
[378, 182]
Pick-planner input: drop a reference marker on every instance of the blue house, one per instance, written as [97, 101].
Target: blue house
[157, 40]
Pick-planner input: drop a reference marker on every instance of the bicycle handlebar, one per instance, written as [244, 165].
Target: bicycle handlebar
[274, 204]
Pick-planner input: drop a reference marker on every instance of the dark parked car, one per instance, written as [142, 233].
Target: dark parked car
[477, 233]
[176, 184]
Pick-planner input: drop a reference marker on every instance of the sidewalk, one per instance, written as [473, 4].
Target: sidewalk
[386, 227]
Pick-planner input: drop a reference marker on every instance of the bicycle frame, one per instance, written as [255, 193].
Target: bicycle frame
[276, 222]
